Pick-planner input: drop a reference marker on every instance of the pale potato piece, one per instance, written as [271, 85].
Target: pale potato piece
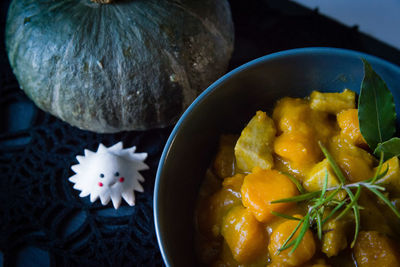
[332, 102]
[255, 144]
[316, 177]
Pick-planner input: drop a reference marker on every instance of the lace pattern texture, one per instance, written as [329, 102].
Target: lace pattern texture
[43, 219]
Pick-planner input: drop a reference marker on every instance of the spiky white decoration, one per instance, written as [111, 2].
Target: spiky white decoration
[109, 173]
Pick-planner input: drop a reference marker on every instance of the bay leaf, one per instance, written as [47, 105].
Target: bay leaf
[376, 109]
[390, 148]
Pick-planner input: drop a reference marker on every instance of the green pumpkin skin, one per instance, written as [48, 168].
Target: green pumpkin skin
[129, 65]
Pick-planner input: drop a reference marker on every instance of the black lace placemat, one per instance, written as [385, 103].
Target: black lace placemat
[44, 222]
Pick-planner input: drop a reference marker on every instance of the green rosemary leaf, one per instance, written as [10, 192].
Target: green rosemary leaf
[319, 225]
[325, 185]
[285, 245]
[382, 174]
[357, 228]
[351, 204]
[356, 216]
[369, 181]
[378, 171]
[296, 182]
[303, 230]
[339, 206]
[333, 164]
[384, 199]
[288, 245]
[322, 211]
[377, 187]
[327, 199]
[376, 110]
[335, 202]
[332, 195]
[285, 216]
[298, 198]
[391, 148]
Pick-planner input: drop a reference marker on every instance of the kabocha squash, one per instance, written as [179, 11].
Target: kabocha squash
[126, 65]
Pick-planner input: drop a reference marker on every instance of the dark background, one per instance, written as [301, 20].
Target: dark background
[42, 219]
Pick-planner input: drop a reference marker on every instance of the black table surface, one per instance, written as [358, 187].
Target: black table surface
[44, 222]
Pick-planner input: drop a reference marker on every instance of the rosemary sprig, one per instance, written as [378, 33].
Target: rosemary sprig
[333, 164]
[384, 199]
[325, 199]
[356, 211]
[298, 198]
[296, 182]
[350, 205]
[289, 217]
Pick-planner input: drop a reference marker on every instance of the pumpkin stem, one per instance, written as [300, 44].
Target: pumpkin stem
[102, 1]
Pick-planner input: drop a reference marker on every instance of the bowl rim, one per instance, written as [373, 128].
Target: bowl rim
[285, 53]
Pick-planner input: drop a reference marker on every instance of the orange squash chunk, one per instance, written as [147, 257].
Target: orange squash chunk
[224, 162]
[373, 249]
[263, 186]
[292, 114]
[304, 252]
[217, 205]
[245, 236]
[350, 127]
[356, 168]
[298, 148]
[356, 163]
[296, 115]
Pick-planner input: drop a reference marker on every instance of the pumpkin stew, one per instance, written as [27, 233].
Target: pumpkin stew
[301, 187]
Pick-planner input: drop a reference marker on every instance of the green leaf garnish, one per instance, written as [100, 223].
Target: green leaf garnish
[384, 199]
[298, 198]
[333, 164]
[325, 198]
[319, 225]
[339, 206]
[391, 148]
[356, 211]
[351, 204]
[296, 182]
[376, 110]
[287, 245]
[378, 171]
[331, 195]
[304, 228]
[285, 216]
[325, 185]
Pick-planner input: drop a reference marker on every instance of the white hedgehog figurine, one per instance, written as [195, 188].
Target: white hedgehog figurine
[110, 173]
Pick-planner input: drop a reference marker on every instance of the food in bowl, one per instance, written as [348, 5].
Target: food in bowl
[302, 187]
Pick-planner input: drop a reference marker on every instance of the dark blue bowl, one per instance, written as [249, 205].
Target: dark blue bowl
[225, 107]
